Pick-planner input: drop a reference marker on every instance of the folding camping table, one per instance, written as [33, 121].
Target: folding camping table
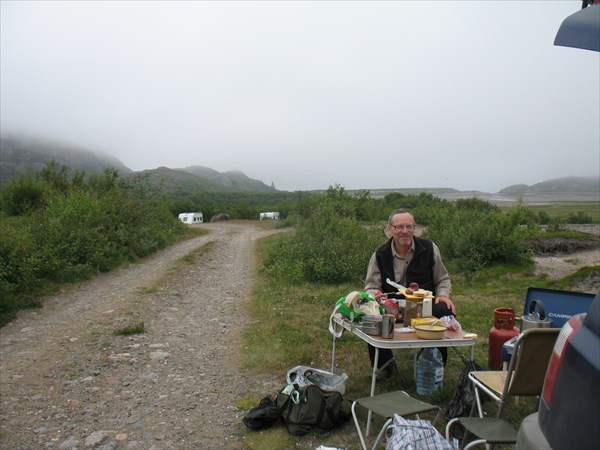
[401, 340]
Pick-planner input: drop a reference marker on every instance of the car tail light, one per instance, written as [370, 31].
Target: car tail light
[566, 333]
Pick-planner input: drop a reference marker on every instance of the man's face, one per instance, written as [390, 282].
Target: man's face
[402, 228]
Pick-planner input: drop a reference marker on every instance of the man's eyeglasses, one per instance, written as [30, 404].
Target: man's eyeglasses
[403, 227]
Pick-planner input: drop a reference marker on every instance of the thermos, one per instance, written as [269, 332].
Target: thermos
[503, 330]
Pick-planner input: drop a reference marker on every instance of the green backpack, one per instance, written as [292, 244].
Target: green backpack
[303, 409]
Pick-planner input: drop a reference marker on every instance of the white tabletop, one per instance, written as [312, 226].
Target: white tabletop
[405, 339]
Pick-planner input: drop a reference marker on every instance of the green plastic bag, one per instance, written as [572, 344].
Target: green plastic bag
[357, 304]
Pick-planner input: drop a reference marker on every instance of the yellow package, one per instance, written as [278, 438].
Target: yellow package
[425, 321]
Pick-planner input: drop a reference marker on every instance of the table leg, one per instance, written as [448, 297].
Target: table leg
[373, 382]
[333, 356]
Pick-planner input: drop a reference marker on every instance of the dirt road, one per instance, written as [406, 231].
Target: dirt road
[67, 382]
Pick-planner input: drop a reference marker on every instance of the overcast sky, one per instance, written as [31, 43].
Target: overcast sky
[471, 95]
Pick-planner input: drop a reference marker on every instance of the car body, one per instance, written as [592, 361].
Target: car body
[569, 412]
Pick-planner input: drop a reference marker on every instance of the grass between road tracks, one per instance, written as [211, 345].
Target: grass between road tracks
[291, 329]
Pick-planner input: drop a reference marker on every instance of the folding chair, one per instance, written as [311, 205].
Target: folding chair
[525, 377]
[526, 370]
[388, 404]
[488, 430]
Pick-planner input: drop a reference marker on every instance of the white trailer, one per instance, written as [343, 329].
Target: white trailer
[191, 218]
[274, 215]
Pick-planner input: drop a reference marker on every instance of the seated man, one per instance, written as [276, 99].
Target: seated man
[405, 259]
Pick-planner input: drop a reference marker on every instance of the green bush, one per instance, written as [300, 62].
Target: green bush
[79, 229]
[543, 218]
[580, 217]
[472, 239]
[23, 195]
[325, 248]
[423, 206]
[18, 268]
[475, 204]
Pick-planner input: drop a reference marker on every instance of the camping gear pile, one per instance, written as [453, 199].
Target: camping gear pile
[312, 398]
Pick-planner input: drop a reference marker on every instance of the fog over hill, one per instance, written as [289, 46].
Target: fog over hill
[19, 155]
[23, 154]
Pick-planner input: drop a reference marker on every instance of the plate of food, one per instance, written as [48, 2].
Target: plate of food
[416, 295]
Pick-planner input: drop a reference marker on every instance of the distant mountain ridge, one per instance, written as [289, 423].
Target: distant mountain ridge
[231, 180]
[189, 180]
[558, 185]
[19, 155]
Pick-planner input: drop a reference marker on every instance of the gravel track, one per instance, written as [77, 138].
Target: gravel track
[67, 382]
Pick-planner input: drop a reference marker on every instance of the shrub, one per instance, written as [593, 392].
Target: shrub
[325, 248]
[18, 268]
[475, 204]
[580, 218]
[23, 195]
[543, 218]
[81, 230]
[473, 239]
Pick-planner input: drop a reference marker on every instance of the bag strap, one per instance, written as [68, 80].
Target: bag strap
[336, 334]
[322, 407]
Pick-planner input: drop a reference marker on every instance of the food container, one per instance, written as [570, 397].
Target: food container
[427, 307]
[371, 325]
[412, 311]
[425, 321]
[430, 331]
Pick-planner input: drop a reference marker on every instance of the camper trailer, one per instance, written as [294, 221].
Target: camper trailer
[191, 218]
[274, 215]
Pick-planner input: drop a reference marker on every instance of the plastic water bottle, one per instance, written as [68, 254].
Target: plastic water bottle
[429, 371]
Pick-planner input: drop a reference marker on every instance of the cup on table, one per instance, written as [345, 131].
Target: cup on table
[387, 326]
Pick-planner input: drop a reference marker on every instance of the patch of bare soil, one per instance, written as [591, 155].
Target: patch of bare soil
[559, 257]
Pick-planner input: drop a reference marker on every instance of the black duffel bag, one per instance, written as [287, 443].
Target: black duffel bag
[305, 408]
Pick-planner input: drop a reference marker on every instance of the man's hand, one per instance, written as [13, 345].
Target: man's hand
[447, 301]
[375, 293]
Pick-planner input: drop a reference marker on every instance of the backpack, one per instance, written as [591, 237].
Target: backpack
[305, 408]
[461, 404]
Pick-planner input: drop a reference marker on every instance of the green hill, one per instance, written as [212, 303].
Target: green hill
[558, 185]
[188, 181]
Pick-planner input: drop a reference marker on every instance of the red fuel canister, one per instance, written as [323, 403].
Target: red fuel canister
[503, 330]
